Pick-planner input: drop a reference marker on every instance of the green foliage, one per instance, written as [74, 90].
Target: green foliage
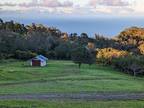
[63, 51]
[133, 65]
[24, 55]
[5, 56]
[38, 39]
[51, 54]
[82, 55]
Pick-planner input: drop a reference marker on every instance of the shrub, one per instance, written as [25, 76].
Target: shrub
[5, 56]
[24, 55]
[133, 65]
[105, 55]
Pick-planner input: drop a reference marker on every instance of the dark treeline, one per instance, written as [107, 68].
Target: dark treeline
[35, 38]
[22, 42]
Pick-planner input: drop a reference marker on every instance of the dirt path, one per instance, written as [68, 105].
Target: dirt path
[75, 96]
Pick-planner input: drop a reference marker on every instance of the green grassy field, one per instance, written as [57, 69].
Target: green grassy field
[72, 104]
[64, 76]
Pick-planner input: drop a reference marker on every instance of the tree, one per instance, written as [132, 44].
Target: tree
[24, 55]
[1, 23]
[84, 35]
[63, 51]
[133, 35]
[82, 55]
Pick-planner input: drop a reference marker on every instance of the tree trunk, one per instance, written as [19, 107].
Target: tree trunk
[79, 65]
[135, 73]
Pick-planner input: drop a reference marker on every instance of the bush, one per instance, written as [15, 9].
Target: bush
[63, 51]
[51, 55]
[24, 55]
[105, 55]
[133, 65]
[5, 56]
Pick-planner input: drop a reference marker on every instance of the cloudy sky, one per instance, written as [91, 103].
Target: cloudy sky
[107, 17]
[73, 7]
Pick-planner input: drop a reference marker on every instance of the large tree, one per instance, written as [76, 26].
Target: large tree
[82, 55]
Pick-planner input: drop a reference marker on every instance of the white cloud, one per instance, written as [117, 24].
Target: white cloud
[109, 2]
[87, 7]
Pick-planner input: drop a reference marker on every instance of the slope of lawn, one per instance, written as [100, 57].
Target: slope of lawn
[64, 76]
[72, 104]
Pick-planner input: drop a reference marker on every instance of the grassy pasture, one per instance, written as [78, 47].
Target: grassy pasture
[64, 76]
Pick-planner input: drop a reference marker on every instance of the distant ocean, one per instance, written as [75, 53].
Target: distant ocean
[108, 27]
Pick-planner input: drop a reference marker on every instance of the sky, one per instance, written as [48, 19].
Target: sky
[74, 7]
[62, 13]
